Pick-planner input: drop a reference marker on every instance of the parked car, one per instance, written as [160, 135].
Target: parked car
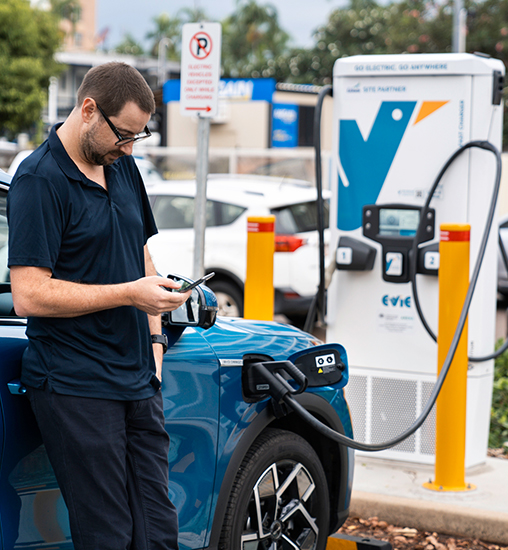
[502, 274]
[231, 199]
[244, 472]
[147, 169]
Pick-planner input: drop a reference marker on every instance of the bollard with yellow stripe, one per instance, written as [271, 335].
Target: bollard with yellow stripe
[451, 403]
[346, 542]
[259, 293]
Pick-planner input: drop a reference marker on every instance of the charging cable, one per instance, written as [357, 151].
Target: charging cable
[319, 300]
[487, 146]
[288, 398]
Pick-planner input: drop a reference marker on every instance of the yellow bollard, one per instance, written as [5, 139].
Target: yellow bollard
[259, 294]
[451, 403]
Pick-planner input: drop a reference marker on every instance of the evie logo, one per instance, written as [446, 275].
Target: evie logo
[396, 301]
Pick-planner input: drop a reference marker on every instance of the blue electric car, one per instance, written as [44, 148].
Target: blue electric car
[245, 471]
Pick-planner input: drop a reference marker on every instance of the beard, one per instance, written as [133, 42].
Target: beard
[93, 153]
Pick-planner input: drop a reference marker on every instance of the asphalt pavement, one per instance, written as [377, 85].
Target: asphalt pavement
[393, 491]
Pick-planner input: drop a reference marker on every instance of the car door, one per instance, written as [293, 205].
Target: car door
[190, 389]
[32, 511]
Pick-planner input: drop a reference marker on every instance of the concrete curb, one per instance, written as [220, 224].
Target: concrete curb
[432, 516]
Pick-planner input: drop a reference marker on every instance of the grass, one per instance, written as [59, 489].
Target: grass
[498, 436]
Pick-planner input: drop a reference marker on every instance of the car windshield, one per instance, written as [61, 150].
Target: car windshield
[298, 218]
[177, 212]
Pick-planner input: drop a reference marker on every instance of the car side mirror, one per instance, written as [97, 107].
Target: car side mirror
[200, 310]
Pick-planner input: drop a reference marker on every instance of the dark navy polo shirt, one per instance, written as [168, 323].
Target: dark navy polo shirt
[60, 219]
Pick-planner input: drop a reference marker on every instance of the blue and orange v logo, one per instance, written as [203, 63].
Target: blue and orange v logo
[365, 163]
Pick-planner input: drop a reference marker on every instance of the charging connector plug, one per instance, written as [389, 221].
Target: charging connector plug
[262, 380]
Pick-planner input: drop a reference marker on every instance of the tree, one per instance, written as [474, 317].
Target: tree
[166, 27]
[252, 41]
[192, 15]
[365, 27]
[67, 9]
[487, 28]
[171, 28]
[29, 38]
[129, 46]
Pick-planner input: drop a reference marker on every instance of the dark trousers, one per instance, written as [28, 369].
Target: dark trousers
[111, 462]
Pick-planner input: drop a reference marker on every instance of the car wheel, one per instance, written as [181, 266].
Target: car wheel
[229, 298]
[279, 499]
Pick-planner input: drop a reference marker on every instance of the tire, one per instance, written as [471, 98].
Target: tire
[229, 298]
[281, 480]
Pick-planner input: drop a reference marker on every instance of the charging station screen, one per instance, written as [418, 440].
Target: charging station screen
[398, 222]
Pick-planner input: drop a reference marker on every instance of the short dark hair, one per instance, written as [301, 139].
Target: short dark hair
[114, 84]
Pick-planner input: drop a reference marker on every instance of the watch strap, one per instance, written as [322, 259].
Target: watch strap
[160, 339]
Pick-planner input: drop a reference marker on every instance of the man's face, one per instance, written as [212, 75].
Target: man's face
[98, 142]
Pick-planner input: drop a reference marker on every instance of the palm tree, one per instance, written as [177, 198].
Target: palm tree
[252, 39]
[166, 27]
[129, 46]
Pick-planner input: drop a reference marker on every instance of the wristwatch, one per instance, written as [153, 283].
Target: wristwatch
[161, 339]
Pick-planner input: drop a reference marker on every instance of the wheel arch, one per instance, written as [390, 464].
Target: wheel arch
[222, 274]
[332, 456]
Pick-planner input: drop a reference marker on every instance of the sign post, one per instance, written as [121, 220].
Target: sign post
[199, 96]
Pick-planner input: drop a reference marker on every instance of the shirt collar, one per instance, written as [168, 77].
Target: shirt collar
[66, 163]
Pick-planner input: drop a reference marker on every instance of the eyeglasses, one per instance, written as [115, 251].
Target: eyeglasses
[123, 140]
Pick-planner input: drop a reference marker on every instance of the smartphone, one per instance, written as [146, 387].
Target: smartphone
[188, 286]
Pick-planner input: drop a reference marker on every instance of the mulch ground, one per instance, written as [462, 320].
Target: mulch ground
[408, 538]
[405, 538]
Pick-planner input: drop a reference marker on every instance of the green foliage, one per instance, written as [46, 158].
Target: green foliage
[67, 9]
[28, 39]
[252, 41]
[366, 27]
[166, 27]
[129, 46]
[498, 436]
[171, 28]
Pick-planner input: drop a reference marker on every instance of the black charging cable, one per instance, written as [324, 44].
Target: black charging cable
[487, 146]
[372, 447]
[319, 300]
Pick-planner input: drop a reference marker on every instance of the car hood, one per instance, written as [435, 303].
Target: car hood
[232, 338]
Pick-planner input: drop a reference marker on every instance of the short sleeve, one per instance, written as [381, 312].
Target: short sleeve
[150, 227]
[34, 214]
[149, 224]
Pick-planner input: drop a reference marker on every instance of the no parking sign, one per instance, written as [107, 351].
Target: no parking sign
[200, 71]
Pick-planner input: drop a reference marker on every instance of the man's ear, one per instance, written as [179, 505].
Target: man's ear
[88, 109]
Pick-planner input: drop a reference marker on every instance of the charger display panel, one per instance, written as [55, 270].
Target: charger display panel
[397, 222]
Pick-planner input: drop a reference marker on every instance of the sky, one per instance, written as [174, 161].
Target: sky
[299, 18]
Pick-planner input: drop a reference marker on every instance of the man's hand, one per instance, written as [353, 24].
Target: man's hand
[149, 294]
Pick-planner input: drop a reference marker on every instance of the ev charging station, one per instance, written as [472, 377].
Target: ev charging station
[397, 120]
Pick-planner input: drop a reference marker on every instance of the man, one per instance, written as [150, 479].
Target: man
[80, 271]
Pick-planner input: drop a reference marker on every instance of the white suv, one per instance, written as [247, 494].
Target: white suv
[230, 200]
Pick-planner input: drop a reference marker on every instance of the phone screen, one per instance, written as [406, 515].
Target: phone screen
[188, 286]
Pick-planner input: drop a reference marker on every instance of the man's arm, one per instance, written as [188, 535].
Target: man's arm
[154, 321]
[36, 293]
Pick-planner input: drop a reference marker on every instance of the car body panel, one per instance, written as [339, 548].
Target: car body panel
[190, 369]
[502, 274]
[32, 510]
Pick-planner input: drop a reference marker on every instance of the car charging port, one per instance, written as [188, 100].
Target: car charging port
[264, 379]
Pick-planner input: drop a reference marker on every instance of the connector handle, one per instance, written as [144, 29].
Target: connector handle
[290, 369]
